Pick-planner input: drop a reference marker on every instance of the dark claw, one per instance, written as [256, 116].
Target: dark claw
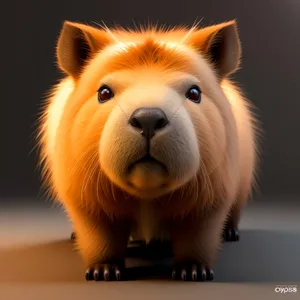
[73, 236]
[183, 274]
[192, 272]
[210, 275]
[231, 235]
[104, 272]
[174, 275]
[117, 272]
[203, 273]
[118, 275]
[97, 274]
[89, 274]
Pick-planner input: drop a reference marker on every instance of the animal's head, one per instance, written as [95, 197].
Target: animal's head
[150, 102]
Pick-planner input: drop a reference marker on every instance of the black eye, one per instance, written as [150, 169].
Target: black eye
[194, 94]
[104, 94]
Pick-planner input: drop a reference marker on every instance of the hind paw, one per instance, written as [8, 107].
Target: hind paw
[231, 235]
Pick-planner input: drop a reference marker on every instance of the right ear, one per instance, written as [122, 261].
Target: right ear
[220, 44]
[77, 44]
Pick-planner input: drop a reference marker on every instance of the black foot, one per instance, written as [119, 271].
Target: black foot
[105, 272]
[73, 236]
[231, 235]
[137, 243]
[191, 271]
[159, 249]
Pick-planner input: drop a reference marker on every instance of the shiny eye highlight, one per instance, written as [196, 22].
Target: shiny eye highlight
[105, 94]
[194, 94]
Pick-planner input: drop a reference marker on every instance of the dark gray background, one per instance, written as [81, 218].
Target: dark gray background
[269, 247]
[269, 31]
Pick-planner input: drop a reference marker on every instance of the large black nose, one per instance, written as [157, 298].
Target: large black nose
[149, 120]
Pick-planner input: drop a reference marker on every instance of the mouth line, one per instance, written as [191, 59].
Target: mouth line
[147, 190]
[146, 159]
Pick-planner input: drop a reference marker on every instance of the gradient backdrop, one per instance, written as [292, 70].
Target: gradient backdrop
[269, 31]
[270, 76]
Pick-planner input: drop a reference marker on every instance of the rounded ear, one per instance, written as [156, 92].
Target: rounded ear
[220, 44]
[77, 44]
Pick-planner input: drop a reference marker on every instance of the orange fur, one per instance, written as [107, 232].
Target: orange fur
[148, 67]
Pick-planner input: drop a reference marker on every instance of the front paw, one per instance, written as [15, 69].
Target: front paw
[106, 272]
[192, 271]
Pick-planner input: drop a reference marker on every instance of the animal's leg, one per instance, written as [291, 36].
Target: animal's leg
[102, 244]
[195, 243]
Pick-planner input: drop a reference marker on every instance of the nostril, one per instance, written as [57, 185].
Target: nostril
[161, 123]
[135, 123]
[148, 120]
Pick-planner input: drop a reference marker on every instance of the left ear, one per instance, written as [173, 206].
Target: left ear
[77, 44]
[220, 44]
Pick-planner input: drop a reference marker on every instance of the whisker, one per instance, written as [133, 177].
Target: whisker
[122, 109]
[113, 191]
[176, 111]
[79, 165]
[194, 26]
[97, 186]
[104, 27]
[167, 202]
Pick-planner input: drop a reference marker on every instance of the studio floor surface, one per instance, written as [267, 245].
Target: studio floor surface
[37, 259]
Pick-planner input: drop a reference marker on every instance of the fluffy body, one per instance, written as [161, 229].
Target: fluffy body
[209, 149]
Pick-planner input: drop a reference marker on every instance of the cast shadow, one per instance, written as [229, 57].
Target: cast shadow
[260, 256]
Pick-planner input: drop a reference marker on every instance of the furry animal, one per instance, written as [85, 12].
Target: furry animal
[147, 134]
